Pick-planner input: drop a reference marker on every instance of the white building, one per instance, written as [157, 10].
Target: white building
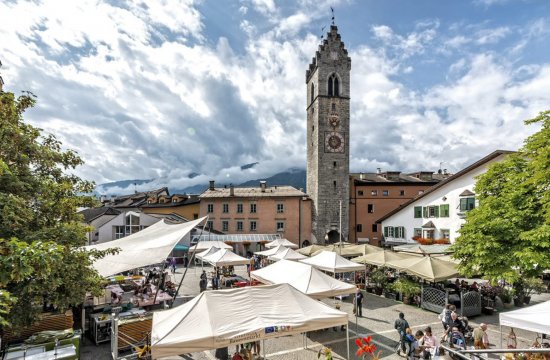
[439, 212]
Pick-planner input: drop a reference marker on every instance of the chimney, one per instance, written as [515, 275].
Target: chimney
[263, 185]
[231, 190]
[445, 171]
[103, 198]
[211, 185]
[378, 170]
[361, 176]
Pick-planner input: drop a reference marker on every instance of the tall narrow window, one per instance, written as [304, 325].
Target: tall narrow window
[312, 92]
[333, 85]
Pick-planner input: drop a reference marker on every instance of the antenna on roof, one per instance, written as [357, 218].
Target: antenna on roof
[332, 11]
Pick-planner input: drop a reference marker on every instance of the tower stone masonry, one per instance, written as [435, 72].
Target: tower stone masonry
[328, 139]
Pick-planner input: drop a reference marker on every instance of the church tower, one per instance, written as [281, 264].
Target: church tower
[328, 112]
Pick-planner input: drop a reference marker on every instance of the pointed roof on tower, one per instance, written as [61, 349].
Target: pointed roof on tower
[333, 40]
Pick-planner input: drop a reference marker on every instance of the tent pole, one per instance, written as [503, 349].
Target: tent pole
[161, 280]
[190, 260]
[500, 335]
[263, 347]
[347, 340]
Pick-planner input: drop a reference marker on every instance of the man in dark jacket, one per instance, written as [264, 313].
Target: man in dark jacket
[401, 326]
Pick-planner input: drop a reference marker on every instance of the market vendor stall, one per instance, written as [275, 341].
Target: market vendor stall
[226, 257]
[304, 278]
[287, 254]
[284, 242]
[332, 262]
[209, 322]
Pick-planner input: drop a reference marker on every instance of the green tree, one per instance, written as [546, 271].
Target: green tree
[41, 235]
[508, 235]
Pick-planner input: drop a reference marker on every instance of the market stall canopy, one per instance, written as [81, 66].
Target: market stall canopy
[534, 318]
[284, 242]
[380, 258]
[225, 257]
[204, 245]
[350, 250]
[149, 246]
[309, 250]
[207, 252]
[271, 251]
[287, 254]
[426, 267]
[424, 249]
[216, 319]
[332, 262]
[303, 277]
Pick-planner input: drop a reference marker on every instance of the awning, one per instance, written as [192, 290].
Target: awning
[149, 246]
[287, 254]
[216, 319]
[534, 318]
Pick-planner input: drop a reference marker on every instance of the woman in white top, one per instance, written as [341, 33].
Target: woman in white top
[430, 342]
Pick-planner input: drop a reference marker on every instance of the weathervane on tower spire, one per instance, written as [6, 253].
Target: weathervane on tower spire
[332, 11]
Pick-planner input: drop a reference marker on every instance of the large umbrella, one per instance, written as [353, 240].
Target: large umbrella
[424, 249]
[287, 254]
[309, 250]
[350, 250]
[332, 262]
[207, 252]
[284, 242]
[426, 267]
[380, 258]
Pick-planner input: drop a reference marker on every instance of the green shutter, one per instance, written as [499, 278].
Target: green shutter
[463, 205]
[436, 211]
[417, 212]
[471, 203]
[444, 210]
[385, 231]
[425, 212]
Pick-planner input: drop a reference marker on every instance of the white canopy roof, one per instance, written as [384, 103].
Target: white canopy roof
[332, 262]
[271, 251]
[203, 245]
[216, 319]
[534, 318]
[225, 257]
[149, 246]
[287, 254]
[283, 242]
[207, 252]
[303, 277]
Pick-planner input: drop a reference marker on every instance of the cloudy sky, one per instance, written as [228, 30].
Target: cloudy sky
[174, 88]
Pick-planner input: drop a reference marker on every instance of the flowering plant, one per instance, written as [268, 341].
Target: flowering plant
[325, 351]
[365, 347]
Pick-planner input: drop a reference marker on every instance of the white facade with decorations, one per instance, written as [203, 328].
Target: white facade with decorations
[439, 212]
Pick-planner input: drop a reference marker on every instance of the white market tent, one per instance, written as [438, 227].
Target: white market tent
[332, 262]
[284, 242]
[209, 321]
[304, 278]
[534, 318]
[287, 254]
[225, 257]
[203, 245]
[271, 251]
[207, 252]
[149, 246]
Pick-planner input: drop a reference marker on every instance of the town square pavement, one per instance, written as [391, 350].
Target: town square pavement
[378, 318]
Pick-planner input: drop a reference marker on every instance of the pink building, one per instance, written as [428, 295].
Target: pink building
[264, 209]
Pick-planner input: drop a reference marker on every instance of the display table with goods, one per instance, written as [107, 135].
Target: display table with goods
[47, 345]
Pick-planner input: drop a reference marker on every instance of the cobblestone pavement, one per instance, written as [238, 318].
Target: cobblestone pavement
[379, 315]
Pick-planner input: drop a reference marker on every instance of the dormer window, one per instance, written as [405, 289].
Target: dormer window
[333, 85]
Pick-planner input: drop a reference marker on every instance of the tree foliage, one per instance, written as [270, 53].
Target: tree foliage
[41, 235]
[508, 235]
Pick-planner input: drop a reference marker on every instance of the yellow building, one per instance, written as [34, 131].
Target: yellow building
[186, 206]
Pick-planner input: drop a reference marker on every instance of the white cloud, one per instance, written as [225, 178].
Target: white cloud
[491, 36]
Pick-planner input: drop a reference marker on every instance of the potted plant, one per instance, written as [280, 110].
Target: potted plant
[506, 297]
[408, 288]
[389, 292]
[531, 286]
[380, 279]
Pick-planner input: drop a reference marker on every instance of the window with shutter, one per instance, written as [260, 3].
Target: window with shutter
[444, 210]
[425, 212]
[417, 212]
[385, 231]
[436, 211]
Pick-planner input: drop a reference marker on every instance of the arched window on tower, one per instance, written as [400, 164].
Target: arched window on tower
[312, 92]
[333, 86]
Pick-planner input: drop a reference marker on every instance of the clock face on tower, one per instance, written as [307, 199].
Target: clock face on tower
[334, 142]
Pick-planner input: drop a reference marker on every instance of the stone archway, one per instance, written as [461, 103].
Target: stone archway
[332, 237]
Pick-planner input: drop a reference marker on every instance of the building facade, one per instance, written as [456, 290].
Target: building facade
[373, 195]
[186, 206]
[258, 210]
[438, 213]
[328, 139]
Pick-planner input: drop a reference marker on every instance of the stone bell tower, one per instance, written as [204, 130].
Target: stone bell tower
[328, 113]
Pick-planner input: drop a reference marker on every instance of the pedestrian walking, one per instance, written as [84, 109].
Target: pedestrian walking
[185, 261]
[173, 264]
[358, 302]
[401, 325]
[481, 339]
[203, 281]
